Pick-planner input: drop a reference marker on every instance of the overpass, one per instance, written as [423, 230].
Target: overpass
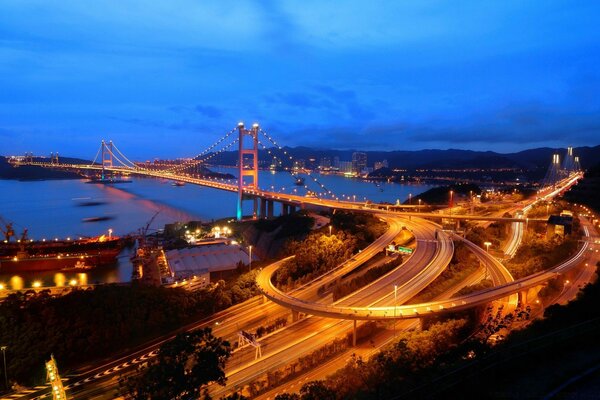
[424, 309]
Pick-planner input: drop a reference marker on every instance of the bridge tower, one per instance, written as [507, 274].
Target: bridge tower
[107, 156]
[247, 169]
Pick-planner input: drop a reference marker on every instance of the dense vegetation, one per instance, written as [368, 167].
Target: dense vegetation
[182, 368]
[441, 194]
[380, 376]
[344, 288]
[315, 255]
[494, 233]
[538, 254]
[463, 264]
[364, 227]
[88, 324]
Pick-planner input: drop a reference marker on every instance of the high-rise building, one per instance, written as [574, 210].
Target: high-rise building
[359, 161]
[336, 162]
[345, 166]
[379, 165]
[325, 163]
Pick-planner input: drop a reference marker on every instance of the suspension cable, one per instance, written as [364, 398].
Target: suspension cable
[97, 154]
[327, 191]
[196, 160]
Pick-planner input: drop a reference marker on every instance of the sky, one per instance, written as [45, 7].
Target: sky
[167, 78]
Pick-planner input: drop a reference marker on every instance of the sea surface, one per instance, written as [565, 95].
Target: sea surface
[58, 209]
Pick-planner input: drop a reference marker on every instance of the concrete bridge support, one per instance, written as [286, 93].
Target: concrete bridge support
[354, 334]
[263, 208]
[285, 209]
[295, 315]
[523, 297]
[270, 209]
[254, 207]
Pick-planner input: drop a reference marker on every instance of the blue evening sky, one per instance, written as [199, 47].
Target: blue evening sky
[168, 77]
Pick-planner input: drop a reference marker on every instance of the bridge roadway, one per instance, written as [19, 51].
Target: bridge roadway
[414, 310]
[284, 198]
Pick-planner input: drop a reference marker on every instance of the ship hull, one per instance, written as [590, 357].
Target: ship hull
[58, 262]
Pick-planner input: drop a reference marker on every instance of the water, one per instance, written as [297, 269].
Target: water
[53, 209]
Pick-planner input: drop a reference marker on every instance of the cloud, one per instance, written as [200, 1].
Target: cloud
[208, 111]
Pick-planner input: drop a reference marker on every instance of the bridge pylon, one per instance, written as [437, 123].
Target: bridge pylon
[247, 167]
[107, 156]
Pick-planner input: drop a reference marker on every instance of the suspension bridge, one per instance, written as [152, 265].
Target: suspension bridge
[110, 161]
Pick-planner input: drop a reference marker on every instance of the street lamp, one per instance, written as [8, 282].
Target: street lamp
[419, 208]
[410, 198]
[487, 249]
[330, 227]
[3, 348]
[250, 257]
[395, 302]
[451, 198]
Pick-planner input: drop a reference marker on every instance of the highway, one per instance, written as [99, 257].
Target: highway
[364, 349]
[413, 310]
[227, 323]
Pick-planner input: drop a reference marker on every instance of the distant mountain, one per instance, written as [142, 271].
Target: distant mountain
[539, 158]
[28, 172]
[452, 158]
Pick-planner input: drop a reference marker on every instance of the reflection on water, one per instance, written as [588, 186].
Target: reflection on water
[51, 209]
[16, 283]
[59, 279]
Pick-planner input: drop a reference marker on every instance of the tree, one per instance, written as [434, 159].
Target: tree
[316, 390]
[182, 367]
[287, 396]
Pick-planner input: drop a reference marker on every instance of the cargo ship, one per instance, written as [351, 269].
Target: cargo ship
[28, 255]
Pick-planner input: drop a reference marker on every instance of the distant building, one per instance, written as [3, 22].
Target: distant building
[325, 163]
[345, 166]
[336, 162]
[209, 262]
[359, 161]
[561, 225]
[379, 165]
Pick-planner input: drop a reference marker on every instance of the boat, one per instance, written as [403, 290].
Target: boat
[178, 184]
[299, 181]
[23, 261]
[96, 219]
[29, 255]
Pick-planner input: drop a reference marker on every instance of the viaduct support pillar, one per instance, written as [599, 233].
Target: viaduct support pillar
[354, 334]
[263, 208]
[254, 207]
[522, 297]
[295, 315]
[270, 208]
[284, 209]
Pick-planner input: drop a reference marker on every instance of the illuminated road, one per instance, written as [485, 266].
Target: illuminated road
[412, 310]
